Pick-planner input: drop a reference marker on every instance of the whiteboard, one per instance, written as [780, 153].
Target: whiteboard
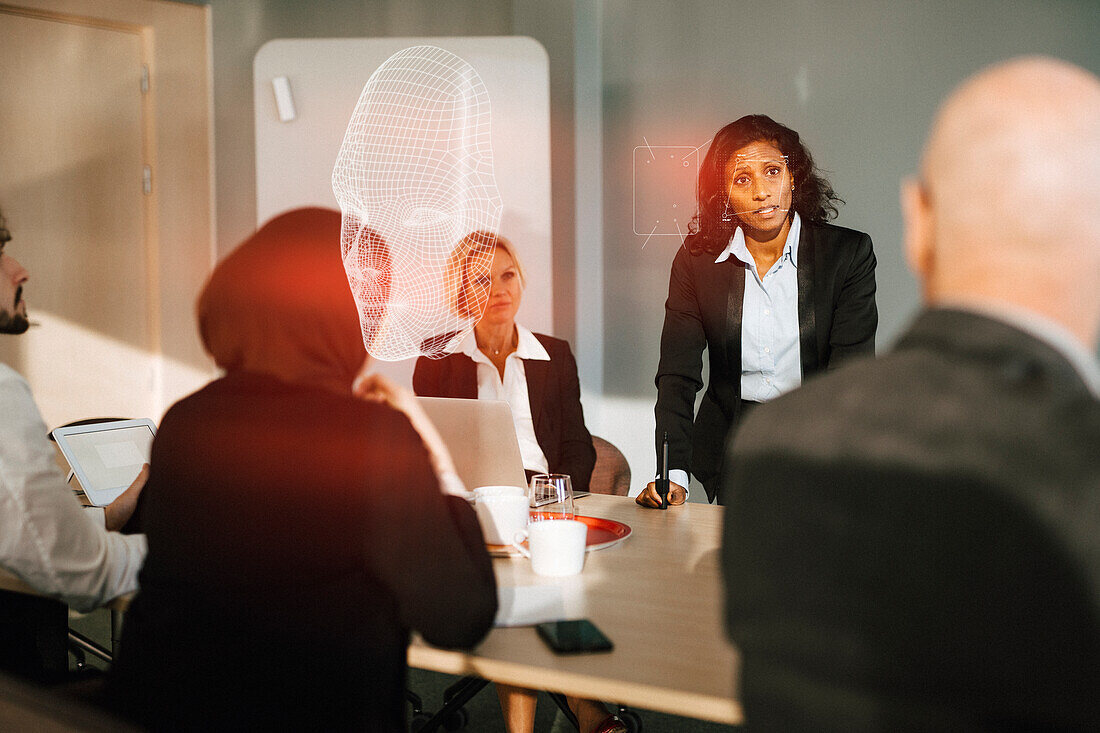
[294, 159]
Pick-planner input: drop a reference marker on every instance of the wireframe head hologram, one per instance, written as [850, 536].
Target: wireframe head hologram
[413, 177]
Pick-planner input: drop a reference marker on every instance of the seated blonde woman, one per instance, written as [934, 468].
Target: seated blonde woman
[537, 375]
[501, 360]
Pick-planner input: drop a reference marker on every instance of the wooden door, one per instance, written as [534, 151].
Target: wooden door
[72, 136]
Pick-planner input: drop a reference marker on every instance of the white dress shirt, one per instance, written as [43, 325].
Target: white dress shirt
[45, 537]
[513, 390]
[771, 362]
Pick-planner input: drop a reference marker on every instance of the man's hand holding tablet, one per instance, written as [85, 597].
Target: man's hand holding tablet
[119, 511]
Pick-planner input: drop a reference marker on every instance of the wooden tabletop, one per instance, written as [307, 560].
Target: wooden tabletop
[657, 595]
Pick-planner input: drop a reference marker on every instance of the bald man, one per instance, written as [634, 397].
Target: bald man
[914, 543]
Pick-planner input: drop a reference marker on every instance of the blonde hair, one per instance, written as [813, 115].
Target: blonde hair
[472, 257]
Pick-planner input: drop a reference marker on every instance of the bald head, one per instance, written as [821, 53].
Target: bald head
[1011, 192]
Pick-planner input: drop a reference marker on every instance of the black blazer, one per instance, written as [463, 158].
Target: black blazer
[926, 555]
[837, 319]
[555, 395]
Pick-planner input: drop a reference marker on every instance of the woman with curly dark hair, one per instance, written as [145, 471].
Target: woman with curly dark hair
[773, 292]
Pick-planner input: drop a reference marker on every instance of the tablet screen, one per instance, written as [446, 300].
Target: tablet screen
[108, 458]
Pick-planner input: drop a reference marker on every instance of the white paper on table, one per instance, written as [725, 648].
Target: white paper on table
[527, 605]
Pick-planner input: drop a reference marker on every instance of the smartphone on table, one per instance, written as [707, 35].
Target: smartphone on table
[574, 637]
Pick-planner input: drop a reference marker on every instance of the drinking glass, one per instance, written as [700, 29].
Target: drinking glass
[551, 496]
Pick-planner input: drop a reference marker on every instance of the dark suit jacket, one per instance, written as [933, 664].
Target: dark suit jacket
[296, 536]
[837, 319]
[914, 543]
[555, 395]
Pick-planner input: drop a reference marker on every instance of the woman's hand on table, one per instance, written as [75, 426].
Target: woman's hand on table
[119, 511]
[677, 495]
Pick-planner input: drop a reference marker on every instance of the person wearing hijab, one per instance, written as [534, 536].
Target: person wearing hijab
[297, 533]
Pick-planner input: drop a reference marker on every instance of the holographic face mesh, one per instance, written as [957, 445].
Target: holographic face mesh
[413, 177]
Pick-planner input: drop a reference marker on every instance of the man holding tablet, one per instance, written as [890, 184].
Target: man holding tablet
[46, 538]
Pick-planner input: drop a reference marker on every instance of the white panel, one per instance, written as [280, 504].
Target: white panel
[294, 159]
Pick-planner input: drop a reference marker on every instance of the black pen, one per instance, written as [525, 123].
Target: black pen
[662, 483]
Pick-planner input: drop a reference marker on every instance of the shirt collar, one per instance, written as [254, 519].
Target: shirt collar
[527, 347]
[740, 250]
[1051, 333]
[530, 347]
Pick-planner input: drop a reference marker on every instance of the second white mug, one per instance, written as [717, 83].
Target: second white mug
[556, 547]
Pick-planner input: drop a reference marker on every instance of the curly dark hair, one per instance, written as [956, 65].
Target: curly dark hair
[814, 198]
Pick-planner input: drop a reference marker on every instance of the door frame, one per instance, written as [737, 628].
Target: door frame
[178, 146]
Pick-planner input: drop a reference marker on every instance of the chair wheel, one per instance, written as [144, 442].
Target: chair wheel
[456, 720]
[631, 720]
[418, 721]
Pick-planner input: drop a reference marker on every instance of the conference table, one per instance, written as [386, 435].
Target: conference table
[657, 595]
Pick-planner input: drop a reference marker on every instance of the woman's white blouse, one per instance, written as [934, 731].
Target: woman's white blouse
[513, 390]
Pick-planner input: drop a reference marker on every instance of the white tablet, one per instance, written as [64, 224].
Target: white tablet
[106, 456]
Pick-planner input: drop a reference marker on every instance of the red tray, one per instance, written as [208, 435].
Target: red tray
[601, 533]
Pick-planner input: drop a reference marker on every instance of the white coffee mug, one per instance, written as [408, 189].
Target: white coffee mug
[501, 517]
[481, 491]
[556, 547]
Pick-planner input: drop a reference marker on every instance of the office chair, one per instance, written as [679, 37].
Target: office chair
[85, 421]
[452, 716]
[611, 474]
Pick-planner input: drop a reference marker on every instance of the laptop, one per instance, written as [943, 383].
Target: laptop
[481, 437]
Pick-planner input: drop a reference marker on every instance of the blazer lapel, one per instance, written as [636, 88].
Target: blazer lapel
[536, 371]
[735, 301]
[807, 320]
[466, 377]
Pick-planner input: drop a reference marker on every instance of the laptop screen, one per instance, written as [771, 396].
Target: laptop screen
[481, 437]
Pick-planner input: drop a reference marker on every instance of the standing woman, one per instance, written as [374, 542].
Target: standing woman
[765, 285]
